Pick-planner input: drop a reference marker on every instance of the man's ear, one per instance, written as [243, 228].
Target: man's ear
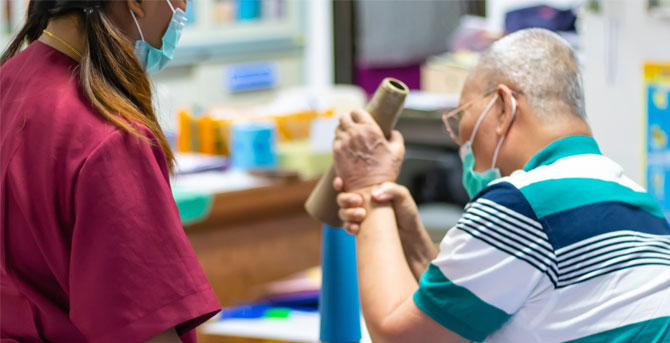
[509, 110]
[136, 7]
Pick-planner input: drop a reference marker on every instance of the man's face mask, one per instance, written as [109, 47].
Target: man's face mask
[473, 181]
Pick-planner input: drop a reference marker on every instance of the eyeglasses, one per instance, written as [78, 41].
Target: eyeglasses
[452, 119]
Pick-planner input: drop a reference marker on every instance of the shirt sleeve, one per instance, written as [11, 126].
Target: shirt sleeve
[133, 272]
[488, 266]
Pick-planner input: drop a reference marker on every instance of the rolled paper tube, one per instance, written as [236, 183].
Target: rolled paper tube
[385, 107]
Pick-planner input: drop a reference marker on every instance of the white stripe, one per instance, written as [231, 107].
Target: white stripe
[587, 166]
[527, 249]
[510, 212]
[479, 210]
[477, 214]
[610, 237]
[519, 250]
[621, 248]
[494, 276]
[614, 300]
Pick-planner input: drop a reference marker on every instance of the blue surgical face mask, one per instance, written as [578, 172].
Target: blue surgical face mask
[474, 181]
[154, 60]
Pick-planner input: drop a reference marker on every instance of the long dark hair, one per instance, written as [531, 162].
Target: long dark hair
[109, 73]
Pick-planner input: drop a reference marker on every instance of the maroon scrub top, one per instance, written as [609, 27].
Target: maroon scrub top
[91, 244]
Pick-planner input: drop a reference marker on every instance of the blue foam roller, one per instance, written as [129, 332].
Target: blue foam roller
[339, 304]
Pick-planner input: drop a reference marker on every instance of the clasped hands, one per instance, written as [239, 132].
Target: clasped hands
[367, 164]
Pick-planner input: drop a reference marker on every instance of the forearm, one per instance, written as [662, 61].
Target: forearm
[418, 248]
[385, 279]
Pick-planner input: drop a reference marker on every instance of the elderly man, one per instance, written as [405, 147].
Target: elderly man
[556, 244]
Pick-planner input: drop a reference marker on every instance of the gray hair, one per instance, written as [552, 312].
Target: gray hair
[541, 65]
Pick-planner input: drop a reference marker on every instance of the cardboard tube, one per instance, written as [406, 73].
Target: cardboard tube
[385, 107]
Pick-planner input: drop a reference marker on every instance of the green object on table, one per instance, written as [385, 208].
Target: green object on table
[193, 206]
[278, 312]
[299, 156]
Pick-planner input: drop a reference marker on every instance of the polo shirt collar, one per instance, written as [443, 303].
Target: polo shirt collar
[564, 147]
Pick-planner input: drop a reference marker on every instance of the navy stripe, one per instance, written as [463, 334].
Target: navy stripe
[640, 239]
[606, 264]
[488, 210]
[538, 256]
[576, 259]
[505, 194]
[512, 251]
[575, 225]
[563, 284]
[520, 240]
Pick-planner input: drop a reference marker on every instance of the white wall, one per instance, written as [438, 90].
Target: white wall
[613, 77]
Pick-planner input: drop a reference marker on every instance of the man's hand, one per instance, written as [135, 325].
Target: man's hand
[416, 243]
[362, 155]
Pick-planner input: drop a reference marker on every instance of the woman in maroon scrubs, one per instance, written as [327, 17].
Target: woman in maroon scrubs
[91, 245]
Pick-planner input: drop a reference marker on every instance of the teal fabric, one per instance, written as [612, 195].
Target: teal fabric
[564, 147]
[557, 195]
[456, 308]
[650, 331]
[193, 206]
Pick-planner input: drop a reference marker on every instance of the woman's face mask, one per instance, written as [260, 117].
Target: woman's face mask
[154, 60]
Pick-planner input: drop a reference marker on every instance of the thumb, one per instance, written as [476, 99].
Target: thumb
[338, 184]
[389, 191]
[397, 143]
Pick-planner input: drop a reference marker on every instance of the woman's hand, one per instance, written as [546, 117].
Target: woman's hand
[418, 248]
[363, 156]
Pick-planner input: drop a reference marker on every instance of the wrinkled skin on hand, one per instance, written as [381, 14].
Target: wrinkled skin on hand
[363, 156]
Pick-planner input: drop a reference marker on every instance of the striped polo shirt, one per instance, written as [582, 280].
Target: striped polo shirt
[566, 250]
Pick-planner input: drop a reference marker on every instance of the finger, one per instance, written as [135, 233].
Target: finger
[338, 184]
[389, 191]
[352, 215]
[346, 121]
[397, 142]
[362, 117]
[351, 228]
[349, 200]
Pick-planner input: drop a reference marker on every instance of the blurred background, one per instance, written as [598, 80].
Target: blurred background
[252, 98]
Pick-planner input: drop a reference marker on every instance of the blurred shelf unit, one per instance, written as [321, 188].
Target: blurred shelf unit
[222, 29]
[216, 29]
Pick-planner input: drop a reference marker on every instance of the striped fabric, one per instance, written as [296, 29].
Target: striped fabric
[566, 250]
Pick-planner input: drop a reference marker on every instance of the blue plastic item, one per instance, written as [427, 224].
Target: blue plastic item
[339, 304]
[245, 312]
[249, 9]
[254, 146]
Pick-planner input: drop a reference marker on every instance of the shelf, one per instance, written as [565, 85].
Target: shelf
[198, 45]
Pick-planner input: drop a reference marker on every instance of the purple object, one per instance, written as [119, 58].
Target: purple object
[369, 78]
[545, 17]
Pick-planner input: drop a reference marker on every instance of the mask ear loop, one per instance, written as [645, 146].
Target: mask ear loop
[481, 118]
[495, 154]
[171, 7]
[137, 24]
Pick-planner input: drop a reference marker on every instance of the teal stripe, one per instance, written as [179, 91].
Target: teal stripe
[557, 195]
[564, 147]
[650, 331]
[456, 308]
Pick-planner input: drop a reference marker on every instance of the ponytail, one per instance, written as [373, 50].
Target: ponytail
[109, 72]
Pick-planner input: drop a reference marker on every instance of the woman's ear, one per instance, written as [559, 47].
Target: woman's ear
[136, 7]
[509, 110]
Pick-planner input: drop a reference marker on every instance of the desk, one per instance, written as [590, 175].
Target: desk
[256, 235]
